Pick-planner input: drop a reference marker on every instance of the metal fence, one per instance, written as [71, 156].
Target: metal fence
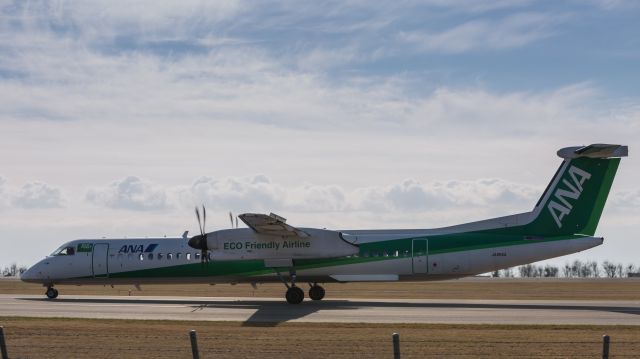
[190, 345]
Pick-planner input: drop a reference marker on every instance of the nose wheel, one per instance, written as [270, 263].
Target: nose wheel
[51, 293]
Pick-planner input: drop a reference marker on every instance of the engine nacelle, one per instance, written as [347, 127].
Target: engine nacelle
[244, 244]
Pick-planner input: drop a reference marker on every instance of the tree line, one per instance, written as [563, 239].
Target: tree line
[13, 270]
[575, 269]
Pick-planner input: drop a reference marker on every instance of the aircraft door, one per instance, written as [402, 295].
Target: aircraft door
[419, 257]
[100, 254]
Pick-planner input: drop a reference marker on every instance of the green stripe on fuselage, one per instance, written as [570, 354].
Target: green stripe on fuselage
[369, 252]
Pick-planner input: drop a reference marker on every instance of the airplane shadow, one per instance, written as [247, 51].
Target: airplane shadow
[272, 313]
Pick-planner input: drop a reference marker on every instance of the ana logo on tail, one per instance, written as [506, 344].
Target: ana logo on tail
[573, 192]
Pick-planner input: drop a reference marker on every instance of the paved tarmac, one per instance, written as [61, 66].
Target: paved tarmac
[276, 310]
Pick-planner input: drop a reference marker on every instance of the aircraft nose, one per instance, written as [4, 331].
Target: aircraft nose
[33, 274]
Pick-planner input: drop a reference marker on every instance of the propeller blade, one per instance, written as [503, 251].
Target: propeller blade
[199, 223]
[231, 218]
[204, 218]
[236, 221]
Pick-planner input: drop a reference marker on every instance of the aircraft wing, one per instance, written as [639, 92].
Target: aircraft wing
[272, 225]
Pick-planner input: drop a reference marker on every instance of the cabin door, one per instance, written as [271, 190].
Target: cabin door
[420, 253]
[100, 253]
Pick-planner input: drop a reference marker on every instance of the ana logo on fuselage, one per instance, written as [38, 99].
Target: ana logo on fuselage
[572, 191]
[137, 248]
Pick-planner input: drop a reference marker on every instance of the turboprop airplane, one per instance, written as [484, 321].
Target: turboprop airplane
[563, 221]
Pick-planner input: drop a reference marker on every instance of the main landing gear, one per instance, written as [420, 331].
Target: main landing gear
[51, 292]
[294, 294]
[316, 292]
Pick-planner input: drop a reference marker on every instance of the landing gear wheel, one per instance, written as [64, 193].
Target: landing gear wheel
[52, 293]
[316, 292]
[294, 295]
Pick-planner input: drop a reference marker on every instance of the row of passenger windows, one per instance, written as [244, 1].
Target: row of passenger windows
[196, 256]
[385, 253]
[162, 256]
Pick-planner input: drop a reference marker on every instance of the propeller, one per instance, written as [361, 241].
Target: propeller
[200, 241]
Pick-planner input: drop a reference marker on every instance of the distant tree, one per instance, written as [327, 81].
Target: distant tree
[566, 270]
[10, 270]
[619, 270]
[526, 271]
[595, 269]
[629, 269]
[550, 271]
[575, 268]
[507, 273]
[495, 274]
[610, 269]
[585, 270]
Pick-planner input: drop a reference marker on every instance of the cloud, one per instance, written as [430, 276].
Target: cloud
[412, 195]
[626, 200]
[234, 193]
[37, 195]
[4, 197]
[259, 194]
[480, 35]
[130, 193]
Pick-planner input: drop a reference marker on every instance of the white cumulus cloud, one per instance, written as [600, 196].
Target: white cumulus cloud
[130, 193]
[37, 195]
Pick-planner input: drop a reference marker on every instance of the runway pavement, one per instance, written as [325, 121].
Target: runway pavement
[276, 310]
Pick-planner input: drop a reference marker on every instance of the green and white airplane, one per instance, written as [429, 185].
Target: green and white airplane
[563, 221]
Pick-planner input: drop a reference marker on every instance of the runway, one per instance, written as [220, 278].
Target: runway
[275, 310]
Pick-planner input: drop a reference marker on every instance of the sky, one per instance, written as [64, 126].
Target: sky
[118, 117]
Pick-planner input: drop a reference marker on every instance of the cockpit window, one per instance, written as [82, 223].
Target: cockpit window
[64, 251]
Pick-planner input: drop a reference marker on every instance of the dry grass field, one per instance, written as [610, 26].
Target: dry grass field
[85, 338]
[468, 288]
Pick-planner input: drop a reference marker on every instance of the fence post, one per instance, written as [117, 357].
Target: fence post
[3, 344]
[605, 347]
[396, 345]
[194, 344]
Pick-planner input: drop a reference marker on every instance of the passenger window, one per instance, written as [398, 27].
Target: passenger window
[406, 253]
[160, 255]
[141, 256]
[197, 255]
[169, 256]
[395, 254]
[178, 255]
[150, 256]
[210, 256]
[188, 256]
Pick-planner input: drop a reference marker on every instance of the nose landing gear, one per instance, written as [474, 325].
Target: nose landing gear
[51, 292]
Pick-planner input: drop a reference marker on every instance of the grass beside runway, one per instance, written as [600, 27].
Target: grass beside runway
[466, 288]
[81, 338]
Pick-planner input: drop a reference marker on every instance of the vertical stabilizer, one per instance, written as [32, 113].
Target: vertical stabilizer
[574, 200]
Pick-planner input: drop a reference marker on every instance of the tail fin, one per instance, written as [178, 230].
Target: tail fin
[575, 198]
